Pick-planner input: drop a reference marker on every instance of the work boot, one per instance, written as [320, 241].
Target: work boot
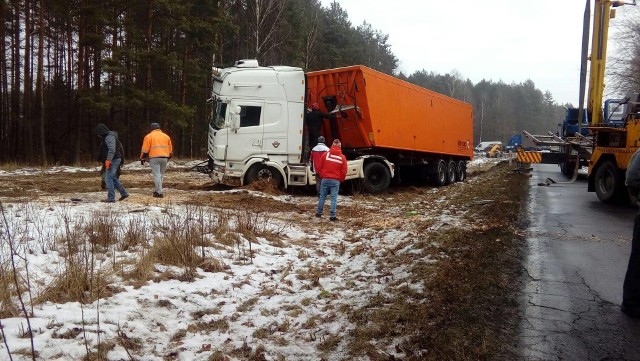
[157, 195]
[333, 219]
[124, 197]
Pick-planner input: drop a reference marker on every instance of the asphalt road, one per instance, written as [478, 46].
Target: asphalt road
[576, 258]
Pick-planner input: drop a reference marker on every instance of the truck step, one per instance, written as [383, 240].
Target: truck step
[297, 175]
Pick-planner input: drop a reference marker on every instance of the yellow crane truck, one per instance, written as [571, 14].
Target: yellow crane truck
[612, 146]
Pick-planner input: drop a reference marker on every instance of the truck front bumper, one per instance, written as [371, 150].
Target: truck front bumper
[220, 176]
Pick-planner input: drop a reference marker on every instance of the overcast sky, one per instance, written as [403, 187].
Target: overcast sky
[508, 40]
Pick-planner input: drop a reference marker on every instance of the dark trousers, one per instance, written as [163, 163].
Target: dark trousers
[631, 288]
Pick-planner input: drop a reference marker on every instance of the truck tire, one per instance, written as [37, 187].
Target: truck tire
[439, 173]
[262, 172]
[451, 172]
[567, 168]
[376, 177]
[608, 182]
[461, 171]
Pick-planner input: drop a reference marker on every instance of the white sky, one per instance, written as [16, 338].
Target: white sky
[508, 40]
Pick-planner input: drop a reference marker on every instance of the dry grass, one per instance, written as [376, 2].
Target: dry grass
[7, 291]
[466, 309]
[77, 282]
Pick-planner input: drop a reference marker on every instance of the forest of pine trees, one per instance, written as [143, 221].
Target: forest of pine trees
[67, 65]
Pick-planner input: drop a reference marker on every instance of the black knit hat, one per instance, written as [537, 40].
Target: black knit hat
[102, 130]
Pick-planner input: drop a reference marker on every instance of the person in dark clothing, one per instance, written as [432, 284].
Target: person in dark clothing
[631, 286]
[103, 184]
[314, 122]
[111, 156]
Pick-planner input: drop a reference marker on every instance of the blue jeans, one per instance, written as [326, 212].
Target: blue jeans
[158, 167]
[112, 181]
[328, 186]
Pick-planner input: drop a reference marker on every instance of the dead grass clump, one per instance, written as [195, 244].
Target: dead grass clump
[102, 228]
[329, 343]
[211, 326]
[142, 271]
[69, 334]
[129, 343]
[7, 290]
[136, 233]
[248, 305]
[245, 352]
[209, 311]
[78, 282]
[100, 353]
[174, 250]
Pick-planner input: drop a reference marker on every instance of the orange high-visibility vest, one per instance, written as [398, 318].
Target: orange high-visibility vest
[157, 145]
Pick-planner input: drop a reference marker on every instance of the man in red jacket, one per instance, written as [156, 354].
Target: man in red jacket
[333, 170]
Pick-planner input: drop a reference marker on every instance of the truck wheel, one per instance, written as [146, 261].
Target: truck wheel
[439, 174]
[461, 170]
[264, 173]
[451, 172]
[376, 177]
[608, 182]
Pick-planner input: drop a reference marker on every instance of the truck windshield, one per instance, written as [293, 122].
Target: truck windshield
[218, 121]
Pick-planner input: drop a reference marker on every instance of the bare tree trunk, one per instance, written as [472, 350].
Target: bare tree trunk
[149, 81]
[183, 98]
[4, 88]
[40, 84]
[312, 34]
[28, 86]
[14, 150]
[267, 14]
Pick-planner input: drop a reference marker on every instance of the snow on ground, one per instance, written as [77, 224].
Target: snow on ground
[288, 292]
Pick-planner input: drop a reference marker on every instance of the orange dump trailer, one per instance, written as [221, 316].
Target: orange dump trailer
[378, 114]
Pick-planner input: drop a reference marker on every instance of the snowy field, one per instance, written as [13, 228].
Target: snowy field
[266, 279]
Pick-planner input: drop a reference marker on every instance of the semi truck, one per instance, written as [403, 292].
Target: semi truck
[388, 127]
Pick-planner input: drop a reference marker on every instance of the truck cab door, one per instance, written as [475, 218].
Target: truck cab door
[246, 131]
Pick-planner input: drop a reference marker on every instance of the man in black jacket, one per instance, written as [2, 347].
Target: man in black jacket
[111, 156]
[314, 122]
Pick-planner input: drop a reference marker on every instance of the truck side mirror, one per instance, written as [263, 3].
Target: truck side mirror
[235, 117]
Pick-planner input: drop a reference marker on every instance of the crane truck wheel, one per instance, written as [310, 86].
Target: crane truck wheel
[439, 173]
[376, 177]
[261, 172]
[461, 170]
[451, 172]
[608, 182]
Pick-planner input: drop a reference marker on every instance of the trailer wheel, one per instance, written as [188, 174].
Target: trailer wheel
[376, 177]
[461, 171]
[263, 173]
[439, 174]
[451, 172]
[607, 182]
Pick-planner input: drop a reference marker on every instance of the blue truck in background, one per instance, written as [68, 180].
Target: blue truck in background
[514, 142]
[614, 113]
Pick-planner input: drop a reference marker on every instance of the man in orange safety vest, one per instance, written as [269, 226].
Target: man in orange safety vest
[157, 148]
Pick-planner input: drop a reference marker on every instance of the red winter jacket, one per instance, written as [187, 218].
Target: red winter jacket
[333, 165]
